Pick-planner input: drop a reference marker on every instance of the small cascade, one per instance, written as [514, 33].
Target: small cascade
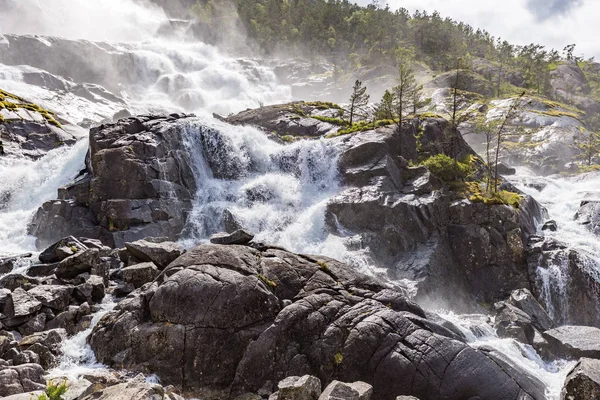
[26, 185]
[278, 191]
[553, 282]
[572, 251]
[77, 356]
[480, 334]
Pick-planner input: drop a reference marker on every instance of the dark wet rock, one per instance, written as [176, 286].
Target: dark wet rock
[583, 381]
[550, 226]
[299, 388]
[238, 237]
[574, 341]
[140, 274]
[589, 215]
[513, 323]
[524, 300]
[123, 289]
[26, 357]
[62, 249]
[53, 296]
[73, 320]
[564, 282]
[13, 281]
[59, 218]
[41, 270]
[21, 378]
[161, 253]
[8, 264]
[140, 184]
[332, 329]
[505, 170]
[78, 263]
[350, 391]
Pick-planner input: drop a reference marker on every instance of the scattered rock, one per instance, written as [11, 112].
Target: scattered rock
[78, 263]
[574, 341]
[299, 388]
[240, 237]
[21, 378]
[53, 296]
[583, 381]
[347, 391]
[62, 249]
[140, 274]
[161, 254]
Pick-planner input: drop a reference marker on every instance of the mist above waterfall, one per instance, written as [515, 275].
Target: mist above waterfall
[98, 20]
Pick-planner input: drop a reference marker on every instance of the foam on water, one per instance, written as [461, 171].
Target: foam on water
[280, 192]
[77, 356]
[25, 184]
[562, 197]
[480, 334]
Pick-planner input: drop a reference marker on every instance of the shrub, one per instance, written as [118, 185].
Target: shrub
[446, 168]
[54, 392]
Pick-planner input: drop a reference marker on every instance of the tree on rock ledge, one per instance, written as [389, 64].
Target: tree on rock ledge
[358, 100]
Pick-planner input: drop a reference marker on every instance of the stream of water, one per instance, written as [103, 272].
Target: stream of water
[279, 191]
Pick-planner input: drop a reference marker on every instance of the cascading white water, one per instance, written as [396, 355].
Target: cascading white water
[479, 334]
[278, 191]
[562, 197]
[25, 185]
[77, 357]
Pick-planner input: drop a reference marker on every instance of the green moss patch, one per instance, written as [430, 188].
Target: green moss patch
[11, 102]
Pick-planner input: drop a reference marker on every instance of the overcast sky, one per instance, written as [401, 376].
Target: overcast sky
[553, 23]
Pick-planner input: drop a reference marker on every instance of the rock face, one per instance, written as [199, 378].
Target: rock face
[139, 184]
[264, 315]
[299, 388]
[564, 281]
[574, 341]
[583, 382]
[589, 215]
[22, 378]
[423, 233]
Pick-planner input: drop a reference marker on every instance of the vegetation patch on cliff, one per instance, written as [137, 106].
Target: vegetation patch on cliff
[11, 102]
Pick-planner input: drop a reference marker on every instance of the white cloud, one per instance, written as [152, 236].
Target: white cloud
[553, 23]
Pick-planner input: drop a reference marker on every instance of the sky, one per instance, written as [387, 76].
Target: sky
[553, 23]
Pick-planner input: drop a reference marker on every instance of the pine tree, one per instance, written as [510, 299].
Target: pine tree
[385, 109]
[403, 93]
[358, 101]
[590, 147]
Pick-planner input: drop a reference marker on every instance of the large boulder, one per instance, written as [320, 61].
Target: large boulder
[583, 381]
[407, 220]
[159, 252]
[347, 391]
[574, 341]
[563, 282]
[139, 183]
[263, 315]
[21, 378]
[589, 215]
[299, 388]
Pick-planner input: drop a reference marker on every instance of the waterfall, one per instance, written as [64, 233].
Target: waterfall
[562, 197]
[277, 191]
[480, 334]
[25, 185]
